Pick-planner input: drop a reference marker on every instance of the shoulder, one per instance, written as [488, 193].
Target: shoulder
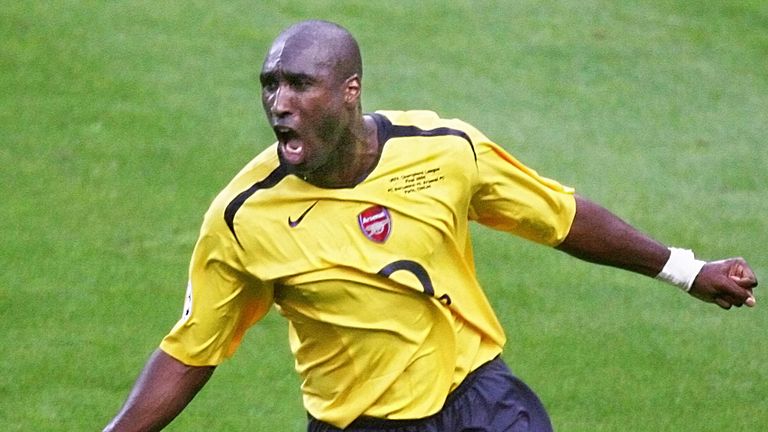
[258, 171]
[412, 117]
[421, 118]
[425, 122]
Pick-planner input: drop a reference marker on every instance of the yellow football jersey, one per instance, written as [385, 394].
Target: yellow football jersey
[377, 281]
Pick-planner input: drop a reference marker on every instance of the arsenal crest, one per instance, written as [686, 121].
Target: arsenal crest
[376, 223]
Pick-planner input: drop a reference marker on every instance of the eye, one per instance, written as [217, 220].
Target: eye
[301, 83]
[268, 83]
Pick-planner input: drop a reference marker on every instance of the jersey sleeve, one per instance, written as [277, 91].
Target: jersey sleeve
[222, 302]
[512, 197]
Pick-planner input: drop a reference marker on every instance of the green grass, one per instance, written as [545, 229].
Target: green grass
[119, 121]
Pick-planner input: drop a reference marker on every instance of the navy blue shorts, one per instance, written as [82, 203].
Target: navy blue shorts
[490, 399]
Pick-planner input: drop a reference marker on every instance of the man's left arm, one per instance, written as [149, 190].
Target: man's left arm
[599, 236]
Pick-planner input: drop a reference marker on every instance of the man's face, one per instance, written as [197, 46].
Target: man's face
[304, 101]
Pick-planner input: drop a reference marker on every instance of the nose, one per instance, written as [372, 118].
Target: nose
[280, 102]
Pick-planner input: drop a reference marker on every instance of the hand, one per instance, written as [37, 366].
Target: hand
[726, 283]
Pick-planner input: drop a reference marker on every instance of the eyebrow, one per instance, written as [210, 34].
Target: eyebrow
[287, 74]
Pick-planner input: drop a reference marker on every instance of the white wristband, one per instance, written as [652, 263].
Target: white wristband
[681, 269]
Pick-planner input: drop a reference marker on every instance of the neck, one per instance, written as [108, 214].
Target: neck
[353, 160]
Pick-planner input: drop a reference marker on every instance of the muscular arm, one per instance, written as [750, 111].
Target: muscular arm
[599, 236]
[161, 392]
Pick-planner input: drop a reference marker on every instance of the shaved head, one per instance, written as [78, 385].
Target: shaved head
[322, 43]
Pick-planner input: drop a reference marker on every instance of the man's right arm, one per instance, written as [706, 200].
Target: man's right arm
[161, 392]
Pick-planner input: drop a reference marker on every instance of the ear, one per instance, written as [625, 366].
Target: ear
[352, 89]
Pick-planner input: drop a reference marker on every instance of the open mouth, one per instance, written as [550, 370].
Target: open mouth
[291, 146]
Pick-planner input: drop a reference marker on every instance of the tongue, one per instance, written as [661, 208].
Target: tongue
[293, 151]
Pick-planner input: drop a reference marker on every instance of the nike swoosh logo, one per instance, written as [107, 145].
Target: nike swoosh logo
[295, 223]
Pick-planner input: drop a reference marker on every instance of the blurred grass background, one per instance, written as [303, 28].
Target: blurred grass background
[120, 120]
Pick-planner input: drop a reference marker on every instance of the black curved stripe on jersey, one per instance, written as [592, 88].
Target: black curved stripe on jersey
[387, 130]
[415, 268]
[270, 181]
